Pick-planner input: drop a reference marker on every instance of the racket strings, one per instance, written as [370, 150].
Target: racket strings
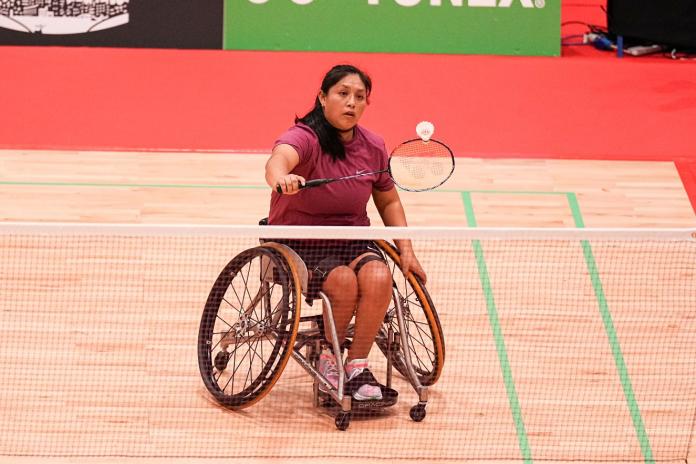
[419, 165]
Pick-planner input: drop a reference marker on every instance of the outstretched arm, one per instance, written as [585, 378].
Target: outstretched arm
[392, 212]
[278, 167]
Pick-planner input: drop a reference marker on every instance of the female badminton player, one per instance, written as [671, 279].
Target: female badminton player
[328, 142]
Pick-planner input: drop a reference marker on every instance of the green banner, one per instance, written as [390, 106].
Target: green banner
[501, 27]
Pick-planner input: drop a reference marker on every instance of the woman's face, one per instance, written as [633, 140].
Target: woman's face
[345, 102]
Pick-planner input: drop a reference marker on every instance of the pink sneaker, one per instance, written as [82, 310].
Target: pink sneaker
[361, 383]
[328, 368]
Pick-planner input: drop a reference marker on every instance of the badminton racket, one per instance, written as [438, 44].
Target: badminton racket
[416, 165]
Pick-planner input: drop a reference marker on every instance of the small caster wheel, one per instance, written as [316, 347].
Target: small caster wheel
[221, 359]
[417, 412]
[342, 420]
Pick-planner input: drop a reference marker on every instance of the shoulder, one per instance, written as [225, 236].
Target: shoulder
[298, 133]
[302, 138]
[302, 131]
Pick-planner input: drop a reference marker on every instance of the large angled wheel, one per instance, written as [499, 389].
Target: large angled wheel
[249, 325]
[426, 344]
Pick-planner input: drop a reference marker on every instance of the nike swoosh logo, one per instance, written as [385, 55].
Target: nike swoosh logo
[360, 171]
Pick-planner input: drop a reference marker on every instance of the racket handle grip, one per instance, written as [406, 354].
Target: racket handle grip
[315, 183]
[308, 184]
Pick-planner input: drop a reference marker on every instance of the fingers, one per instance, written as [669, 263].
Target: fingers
[420, 273]
[415, 269]
[289, 184]
[409, 264]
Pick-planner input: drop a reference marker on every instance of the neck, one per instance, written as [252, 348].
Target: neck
[347, 135]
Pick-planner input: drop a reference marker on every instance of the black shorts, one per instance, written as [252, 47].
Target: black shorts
[322, 256]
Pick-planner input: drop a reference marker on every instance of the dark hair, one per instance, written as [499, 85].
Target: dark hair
[328, 135]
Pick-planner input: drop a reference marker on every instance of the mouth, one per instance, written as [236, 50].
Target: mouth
[350, 114]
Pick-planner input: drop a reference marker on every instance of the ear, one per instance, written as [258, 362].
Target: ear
[322, 98]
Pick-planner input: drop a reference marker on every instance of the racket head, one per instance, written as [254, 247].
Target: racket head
[417, 165]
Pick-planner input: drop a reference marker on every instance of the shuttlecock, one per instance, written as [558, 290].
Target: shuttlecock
[425, 130]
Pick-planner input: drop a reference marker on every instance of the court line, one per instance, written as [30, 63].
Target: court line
[494, 321]
[610, 329]
[504, 192]
[240, 187]
[605, 313]
[119, 185]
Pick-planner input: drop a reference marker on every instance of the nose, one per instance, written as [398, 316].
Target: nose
[351, 101]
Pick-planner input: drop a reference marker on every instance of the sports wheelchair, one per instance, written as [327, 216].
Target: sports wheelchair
[251, 326]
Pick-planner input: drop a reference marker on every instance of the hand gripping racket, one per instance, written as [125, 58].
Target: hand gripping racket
[416, 165]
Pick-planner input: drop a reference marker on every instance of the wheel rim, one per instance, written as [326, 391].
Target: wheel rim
[425, 344]
[250, 317]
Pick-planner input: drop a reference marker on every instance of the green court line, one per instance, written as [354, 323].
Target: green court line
[236, 187]
[605, 313]
[118, 185]
[610, 329]
[503, 192]
[494, 320]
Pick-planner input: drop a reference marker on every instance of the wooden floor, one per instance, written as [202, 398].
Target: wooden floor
[99, 333]
[219, 188]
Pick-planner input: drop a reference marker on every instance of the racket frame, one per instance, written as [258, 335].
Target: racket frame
[328, 180]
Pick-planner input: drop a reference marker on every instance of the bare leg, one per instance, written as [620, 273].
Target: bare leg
[341, 286]
[374, 284]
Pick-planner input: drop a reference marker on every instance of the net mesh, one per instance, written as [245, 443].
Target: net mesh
[560, 346]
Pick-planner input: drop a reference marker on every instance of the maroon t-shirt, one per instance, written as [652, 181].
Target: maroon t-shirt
[342, 203]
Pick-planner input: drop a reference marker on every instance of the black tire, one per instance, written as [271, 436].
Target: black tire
[342, 420]
[248, 327]
[417, 412]
[426, 343]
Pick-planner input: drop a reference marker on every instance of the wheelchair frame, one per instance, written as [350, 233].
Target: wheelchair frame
[280, 265]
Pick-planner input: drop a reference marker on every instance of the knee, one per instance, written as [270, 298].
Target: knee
[375, 278]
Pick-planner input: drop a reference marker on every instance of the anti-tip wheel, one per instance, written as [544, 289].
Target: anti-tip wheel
[221, 360]
[342, 420]
[417, 412]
